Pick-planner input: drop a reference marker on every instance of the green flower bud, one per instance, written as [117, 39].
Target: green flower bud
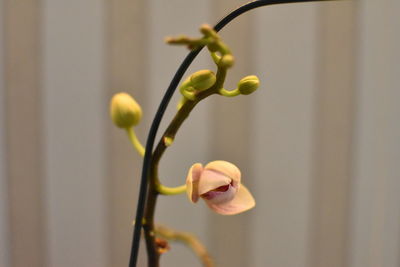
[125, 111]
[227, 61]
[202, 80]
[208, 31]
[248, 84]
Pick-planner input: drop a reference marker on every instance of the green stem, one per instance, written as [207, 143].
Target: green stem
[170, 191]
[135, 141]
[154, 183]
[181, 102]
[227, 93]
[188, 93]
[215, 57]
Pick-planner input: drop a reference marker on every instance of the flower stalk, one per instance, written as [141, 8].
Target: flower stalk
[154, 183]
[197, 87]
[135, 141]
[126, 113]
[149, 172]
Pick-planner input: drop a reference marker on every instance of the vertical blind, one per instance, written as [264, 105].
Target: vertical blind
[317, 144]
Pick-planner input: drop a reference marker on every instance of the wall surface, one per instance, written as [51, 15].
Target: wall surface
[317, 144]
[75, 115]
[282, 134]
[4, 241]
[375, 212]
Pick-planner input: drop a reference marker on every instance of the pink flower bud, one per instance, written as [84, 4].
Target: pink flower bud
[218, 183]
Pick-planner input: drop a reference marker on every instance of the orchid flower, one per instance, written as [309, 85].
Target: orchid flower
[218, 183]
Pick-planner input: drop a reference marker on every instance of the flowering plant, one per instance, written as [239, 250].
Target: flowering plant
[219, 182]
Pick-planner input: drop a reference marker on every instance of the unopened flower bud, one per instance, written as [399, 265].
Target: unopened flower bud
[202, 80]
[227, 61]
[248, 84]
[206, 29]
[125, 111]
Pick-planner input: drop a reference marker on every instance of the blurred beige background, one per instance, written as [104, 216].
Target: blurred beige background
[318, 144]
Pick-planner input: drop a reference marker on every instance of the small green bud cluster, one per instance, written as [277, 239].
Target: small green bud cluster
[219, 50]
[215, 45]
[205, 79]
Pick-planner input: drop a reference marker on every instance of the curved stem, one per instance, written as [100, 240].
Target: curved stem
[154, 183]
[170, 191]
[161, 189]
[215, 57]
[135, 141]
[227, 93]
[187, 92]
[190, 95]
[183, 113]
[189, 240]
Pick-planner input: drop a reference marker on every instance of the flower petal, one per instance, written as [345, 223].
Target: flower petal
[211, 180]
[192, 182]
[222, 194]
[242, 201]
[226, 168]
